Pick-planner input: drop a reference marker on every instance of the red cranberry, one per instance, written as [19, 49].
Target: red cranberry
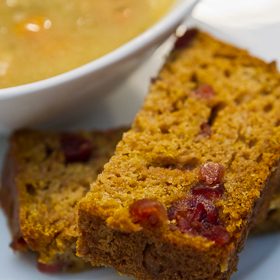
[19, 244]
[186, 39]
[148, 212]
[50, 268]
[76, 148]
[204, 91]
[181, 205]
[211, 173]
[218, 234]
[199, 216]
[205, 129]
[194, 209]
[209, 192]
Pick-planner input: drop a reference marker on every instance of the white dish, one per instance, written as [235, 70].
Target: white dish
[42, 101]
[260, 258]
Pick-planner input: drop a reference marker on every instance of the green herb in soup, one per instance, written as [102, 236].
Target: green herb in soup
[42, 38]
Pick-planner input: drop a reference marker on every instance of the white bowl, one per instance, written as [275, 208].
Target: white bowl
[42, 101]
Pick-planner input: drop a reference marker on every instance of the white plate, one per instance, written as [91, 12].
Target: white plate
[259, 260]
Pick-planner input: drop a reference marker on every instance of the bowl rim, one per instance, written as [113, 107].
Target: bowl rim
[173, 18]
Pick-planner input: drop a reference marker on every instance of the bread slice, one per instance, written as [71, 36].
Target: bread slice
[44, 177]
[199, 164]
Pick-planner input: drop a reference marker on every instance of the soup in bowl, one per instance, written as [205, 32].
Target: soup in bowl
[43, 74]
[41, 39]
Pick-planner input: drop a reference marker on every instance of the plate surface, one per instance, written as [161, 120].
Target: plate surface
[260, 258]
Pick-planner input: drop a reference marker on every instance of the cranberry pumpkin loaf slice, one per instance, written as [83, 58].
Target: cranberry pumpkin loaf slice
[44, 176]
[199, 164]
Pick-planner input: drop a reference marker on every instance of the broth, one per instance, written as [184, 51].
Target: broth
[40, 39]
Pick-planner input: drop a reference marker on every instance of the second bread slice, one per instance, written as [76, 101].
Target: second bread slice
[45, 176]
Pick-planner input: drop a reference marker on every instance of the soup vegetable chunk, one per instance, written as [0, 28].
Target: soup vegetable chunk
[40, 39]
